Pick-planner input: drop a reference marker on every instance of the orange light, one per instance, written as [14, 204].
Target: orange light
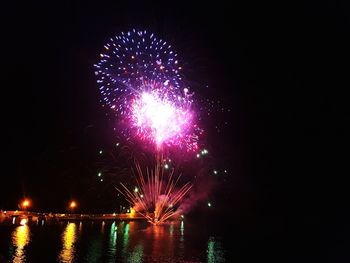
[73, 204]
[132, 212]
[25, 203]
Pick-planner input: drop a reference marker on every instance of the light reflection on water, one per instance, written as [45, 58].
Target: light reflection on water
[136, 255]
[114, 242]
[20, 239]
[162, 244]
[69, 237]
[214, 251]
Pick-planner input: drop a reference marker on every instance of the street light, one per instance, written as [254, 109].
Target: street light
[25, 204]
[72, 205]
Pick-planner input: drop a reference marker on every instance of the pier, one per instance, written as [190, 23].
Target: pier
[34, 216]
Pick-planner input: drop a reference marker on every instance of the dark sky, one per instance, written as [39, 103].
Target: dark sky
[282, 69]
[55, 125]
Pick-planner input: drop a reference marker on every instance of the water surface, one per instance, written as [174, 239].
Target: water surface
[109, 241]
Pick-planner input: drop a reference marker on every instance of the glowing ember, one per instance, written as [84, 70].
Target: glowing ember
[159, 120]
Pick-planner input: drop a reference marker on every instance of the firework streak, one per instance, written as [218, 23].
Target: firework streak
[157, 195]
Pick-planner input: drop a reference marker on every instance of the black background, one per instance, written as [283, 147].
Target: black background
[282, 69]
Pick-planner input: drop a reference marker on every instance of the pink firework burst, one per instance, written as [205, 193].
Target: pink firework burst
[141, 80]
[164, 119]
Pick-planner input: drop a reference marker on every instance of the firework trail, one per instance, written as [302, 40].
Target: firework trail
[139, 77]
[157, 195]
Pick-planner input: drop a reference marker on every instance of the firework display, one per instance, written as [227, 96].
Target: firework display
[139, 77]
[157, 195]
[140, 81]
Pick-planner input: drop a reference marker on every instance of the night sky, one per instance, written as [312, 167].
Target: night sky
[282, 70]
